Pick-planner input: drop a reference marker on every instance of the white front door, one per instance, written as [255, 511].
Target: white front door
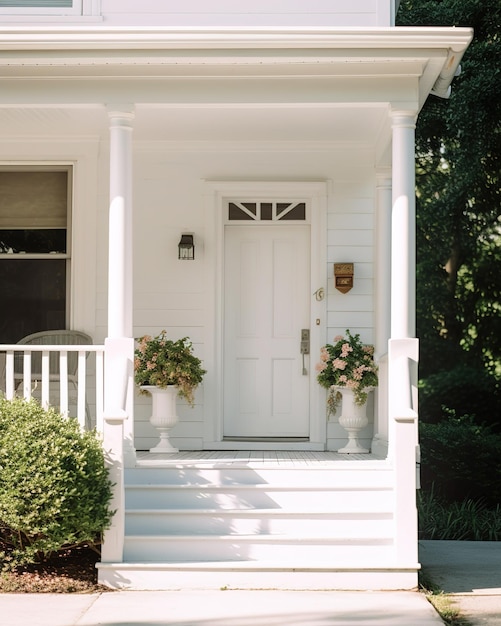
[266, 305]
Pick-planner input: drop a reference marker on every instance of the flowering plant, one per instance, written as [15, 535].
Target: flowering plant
[162, 362]
[348, 363]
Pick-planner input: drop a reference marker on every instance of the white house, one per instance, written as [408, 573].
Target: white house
[280, 135]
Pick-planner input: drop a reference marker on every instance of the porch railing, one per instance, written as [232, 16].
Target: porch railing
[51, 373]
[404, 446]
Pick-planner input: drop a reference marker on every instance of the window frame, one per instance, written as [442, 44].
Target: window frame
[79, 8]
[50, 256]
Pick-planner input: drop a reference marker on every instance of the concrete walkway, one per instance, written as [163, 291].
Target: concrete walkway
[220, 608]
[470, 571]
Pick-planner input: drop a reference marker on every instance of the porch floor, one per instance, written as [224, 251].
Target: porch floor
[253, 458]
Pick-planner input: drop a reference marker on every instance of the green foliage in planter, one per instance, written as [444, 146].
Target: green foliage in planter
[54, 486]
[462, 459]
[470, 520]
[160, 362]
[465, 389]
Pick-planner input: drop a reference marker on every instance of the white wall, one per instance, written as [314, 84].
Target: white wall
[247, 13]
[173, 295]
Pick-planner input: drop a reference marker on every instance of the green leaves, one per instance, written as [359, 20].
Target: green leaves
[54, 485]
[458, 167]
[162, 362]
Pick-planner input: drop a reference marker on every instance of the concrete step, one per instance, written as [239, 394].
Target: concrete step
[257, 522]
[264, 575]
[299, 550]
[347, 475]
[314, 499]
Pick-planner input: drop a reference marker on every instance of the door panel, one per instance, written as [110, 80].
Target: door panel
[266, 304]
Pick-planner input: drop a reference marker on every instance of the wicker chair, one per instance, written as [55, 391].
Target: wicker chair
[52, 337]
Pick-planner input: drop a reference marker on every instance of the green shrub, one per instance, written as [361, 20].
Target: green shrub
[54, 485]
[466, 390]
[462, 459]
[467, 521]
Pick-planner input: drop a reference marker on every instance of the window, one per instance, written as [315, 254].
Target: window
[34, 250]
[267, 211]
[42, 7]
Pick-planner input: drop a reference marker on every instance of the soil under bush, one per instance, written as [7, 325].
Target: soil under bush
[71, 571]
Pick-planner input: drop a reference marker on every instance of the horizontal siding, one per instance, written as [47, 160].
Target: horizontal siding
[350, 223]
[248, 13]
[173, 295]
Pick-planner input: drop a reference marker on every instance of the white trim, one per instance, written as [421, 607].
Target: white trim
[81, 224]
[148, 38]
[81, 9]
[28, 11]
[82, 157]
[217, 191]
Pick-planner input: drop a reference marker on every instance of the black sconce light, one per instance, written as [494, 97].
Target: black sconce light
[186, 247]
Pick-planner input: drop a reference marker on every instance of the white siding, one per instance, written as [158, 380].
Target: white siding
[247, 13]
[169, 199]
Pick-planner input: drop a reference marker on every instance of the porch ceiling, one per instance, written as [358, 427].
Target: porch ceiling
[240, 123]
[250, 85]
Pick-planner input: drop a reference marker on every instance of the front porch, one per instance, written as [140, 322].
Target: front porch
[261, 519]
[295, 519]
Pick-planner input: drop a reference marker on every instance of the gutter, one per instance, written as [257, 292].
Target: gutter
[84, 38]
[452, 68]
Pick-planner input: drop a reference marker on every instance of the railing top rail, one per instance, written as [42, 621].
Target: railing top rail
[17, 347]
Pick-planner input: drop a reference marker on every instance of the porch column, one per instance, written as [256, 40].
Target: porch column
[120, 223]
[119, 373]
[383, 261]
[403, 231]
[382, 295]
[402, 346]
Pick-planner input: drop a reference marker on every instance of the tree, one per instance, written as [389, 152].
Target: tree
[458, 166]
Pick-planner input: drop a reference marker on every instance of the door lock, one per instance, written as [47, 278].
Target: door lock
[305, 347]
[305, 341]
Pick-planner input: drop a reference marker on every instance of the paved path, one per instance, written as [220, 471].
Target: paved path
[471, 572]
[220, 608]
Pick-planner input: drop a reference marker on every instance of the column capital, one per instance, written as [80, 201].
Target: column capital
[404, 118]
[120, 114]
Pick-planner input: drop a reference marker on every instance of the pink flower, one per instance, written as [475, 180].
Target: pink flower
[339, 364]
[338, 338]
[324, 355]
[345, 350]
[320, 367]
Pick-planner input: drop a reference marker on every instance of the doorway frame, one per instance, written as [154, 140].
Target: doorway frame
[219, 192]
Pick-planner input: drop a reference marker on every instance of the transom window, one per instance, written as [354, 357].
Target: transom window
[268, 211]
[34, 250]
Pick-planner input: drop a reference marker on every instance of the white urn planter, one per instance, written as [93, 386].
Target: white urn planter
[353, 419]
[163, 416]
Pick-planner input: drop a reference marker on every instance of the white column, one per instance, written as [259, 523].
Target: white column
[403, 240]
[382, 297]
[120, 224]
[383, 261]
[119, 344]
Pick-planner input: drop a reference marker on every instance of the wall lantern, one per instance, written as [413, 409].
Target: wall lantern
[343, 276]
[186, 247]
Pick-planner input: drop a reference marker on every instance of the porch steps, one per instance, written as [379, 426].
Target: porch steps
[248, 526]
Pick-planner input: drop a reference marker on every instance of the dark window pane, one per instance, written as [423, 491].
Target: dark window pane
[40, 241]
[298, 212]
[33, 297]
[236, 213]
[251, 207]
[266, 211]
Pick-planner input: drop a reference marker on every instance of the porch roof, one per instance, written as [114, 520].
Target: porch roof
[240, 85]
